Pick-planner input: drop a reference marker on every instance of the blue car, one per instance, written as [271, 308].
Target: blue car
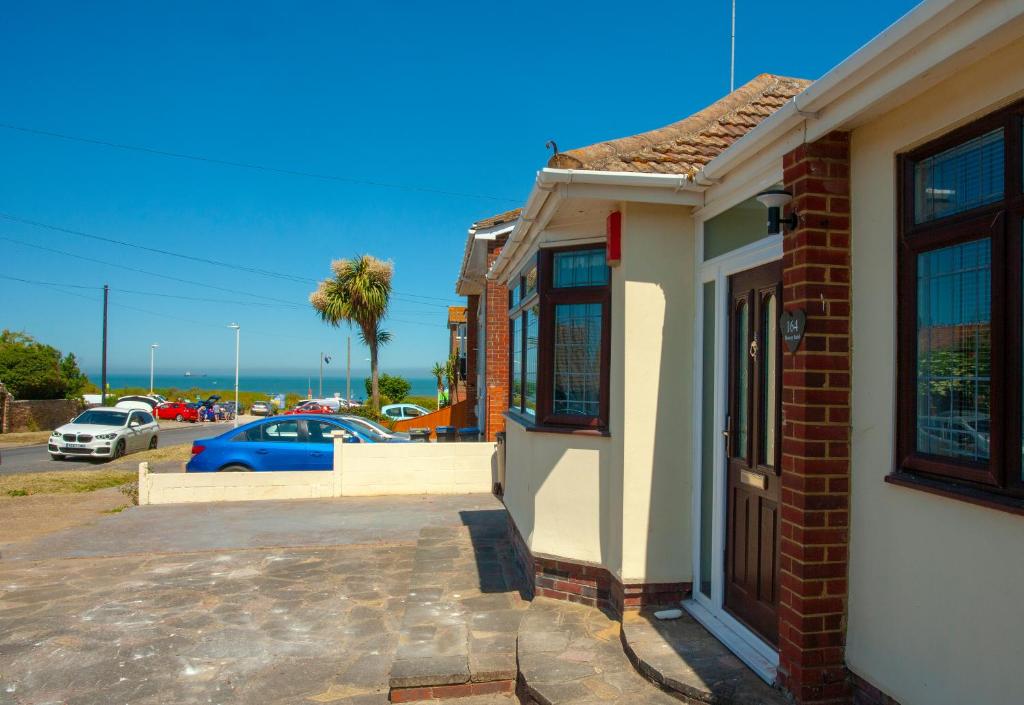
[297, 442]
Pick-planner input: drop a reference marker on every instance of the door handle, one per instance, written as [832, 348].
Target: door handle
[317, 454]
[262, 452]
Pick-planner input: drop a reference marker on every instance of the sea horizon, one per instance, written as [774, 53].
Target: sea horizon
[268, 383]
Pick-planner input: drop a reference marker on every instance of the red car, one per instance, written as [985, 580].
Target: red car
[178, 411]
[310, 407]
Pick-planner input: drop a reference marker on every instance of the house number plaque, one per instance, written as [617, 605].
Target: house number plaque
[791, 327]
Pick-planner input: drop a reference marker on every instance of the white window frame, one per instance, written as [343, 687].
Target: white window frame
[760, 656]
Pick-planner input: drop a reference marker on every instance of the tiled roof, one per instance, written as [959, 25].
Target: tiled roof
[499, 219]
[505, 218]
[685, 146]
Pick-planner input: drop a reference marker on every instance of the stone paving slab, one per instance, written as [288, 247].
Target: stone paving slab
[571, 655]
[462, 611]
[172, 528]
[682, 656]
[275, 627]
[276, 603]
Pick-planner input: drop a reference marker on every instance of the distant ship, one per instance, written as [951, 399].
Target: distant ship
[188, 373]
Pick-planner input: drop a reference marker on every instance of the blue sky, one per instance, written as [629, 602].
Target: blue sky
[456, 97]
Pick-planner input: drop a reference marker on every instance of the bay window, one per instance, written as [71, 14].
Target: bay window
[559, 332]
[960, 308]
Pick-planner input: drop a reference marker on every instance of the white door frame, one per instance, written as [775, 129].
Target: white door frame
[760, 656]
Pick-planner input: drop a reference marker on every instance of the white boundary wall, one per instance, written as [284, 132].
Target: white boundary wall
[363, 469]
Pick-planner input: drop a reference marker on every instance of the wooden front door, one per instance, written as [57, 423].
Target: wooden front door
[753, 441]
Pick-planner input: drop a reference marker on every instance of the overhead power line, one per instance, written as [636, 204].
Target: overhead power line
[297, 278]
[63, 289]
[142, 271]
[137, 292]
[156, 250]
[254, 166]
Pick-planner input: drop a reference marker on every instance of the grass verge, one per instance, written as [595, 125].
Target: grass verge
[176, 453]
[27, 438]
[113, 474]
[63, 481]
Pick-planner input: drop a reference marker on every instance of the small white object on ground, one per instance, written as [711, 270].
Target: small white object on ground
[668, 614]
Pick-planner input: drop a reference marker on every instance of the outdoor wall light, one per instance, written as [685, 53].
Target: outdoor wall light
[774, 200]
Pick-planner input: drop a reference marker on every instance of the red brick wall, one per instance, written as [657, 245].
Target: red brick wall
[472, 345]
[816, 429]
[496, 353]
[866, 694]
[587, 583]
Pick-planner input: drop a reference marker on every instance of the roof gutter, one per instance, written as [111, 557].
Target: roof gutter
[552, 186]
[875, 56]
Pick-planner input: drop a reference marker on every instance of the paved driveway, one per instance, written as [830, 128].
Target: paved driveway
[261, 602]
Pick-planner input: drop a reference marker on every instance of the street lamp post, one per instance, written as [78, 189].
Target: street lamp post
[237, 328]
[152, 359]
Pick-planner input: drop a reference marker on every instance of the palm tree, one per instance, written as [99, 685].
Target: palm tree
[359, 293]
[439, 373]
[452, 370]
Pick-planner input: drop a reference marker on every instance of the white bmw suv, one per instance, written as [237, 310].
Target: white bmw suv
[104, 432]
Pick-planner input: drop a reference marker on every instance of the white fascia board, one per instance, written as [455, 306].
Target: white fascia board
[540, 207]
[554, 185]
[868, 75]
[474, 269]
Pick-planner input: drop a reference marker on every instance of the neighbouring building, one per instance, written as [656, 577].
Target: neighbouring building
[457, 348]
[487, 317]
[768, 360]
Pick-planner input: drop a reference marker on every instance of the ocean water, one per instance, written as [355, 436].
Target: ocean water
[268, 384]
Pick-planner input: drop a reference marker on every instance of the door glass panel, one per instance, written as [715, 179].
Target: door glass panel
[742, 380]
[709, 439]
[954, 352]
[769, 369]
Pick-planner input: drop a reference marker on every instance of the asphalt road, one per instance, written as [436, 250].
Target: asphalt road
[37, 459]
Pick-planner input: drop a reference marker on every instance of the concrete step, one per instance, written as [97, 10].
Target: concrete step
[572, 655]
[682, 657]
[458, 633]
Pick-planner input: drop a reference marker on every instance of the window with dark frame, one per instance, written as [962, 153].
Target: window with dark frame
[559, 309]
[960, 308]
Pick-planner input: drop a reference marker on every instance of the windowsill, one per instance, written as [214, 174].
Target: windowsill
[530, 425]
[963, 493]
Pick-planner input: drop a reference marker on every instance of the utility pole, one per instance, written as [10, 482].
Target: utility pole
[348, 370]
[732, 51]
[152, 356]
[103, 375]
[321, 396]
[238, 331]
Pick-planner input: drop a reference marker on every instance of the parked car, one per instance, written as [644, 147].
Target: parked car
[179, 411]
[138, 401]
[262, 408]
[311, 407]
[400, 412]
[293, 443]
[104, 432]
[372, 427]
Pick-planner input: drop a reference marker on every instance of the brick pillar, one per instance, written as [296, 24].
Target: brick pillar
[471, 354]
[816, 430]
[496, 353]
